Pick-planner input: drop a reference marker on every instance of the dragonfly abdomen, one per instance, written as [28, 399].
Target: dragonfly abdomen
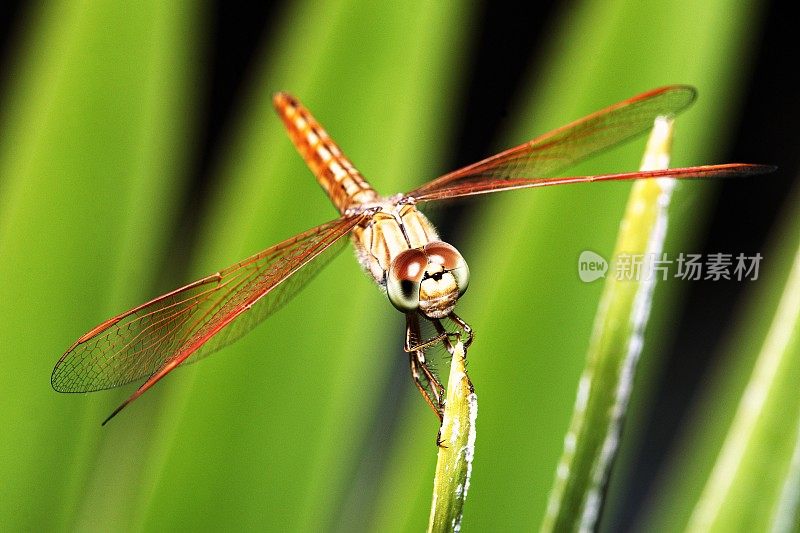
[344, 184]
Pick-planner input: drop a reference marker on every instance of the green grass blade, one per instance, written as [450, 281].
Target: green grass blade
[758, 453]
[684, 478]
[593, 438]
[787, 513]
[457, 450]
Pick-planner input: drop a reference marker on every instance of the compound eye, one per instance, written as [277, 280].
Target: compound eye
[441, 253]
[451, 260]
[404, 278]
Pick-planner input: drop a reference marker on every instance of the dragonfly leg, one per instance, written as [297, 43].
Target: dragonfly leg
[426, 381]
[413, 343]
[464, 326]
[422, 377]
[444, 335]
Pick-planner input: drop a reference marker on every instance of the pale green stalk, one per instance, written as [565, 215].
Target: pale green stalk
[457, 448]
[591, 443]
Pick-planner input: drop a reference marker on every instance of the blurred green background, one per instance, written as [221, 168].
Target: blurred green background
[139, 151]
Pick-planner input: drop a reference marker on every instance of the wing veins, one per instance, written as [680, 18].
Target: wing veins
[153, 336]
[569, 144]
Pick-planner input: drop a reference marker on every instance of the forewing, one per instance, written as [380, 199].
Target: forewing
[200, 318]
[564, 147]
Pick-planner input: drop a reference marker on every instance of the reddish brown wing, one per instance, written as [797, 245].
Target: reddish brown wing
[561, 148]
[154, 338]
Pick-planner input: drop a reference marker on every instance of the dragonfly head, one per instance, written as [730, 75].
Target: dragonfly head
[429, 279]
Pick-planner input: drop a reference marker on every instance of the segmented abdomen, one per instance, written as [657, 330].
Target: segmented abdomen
[344, 184]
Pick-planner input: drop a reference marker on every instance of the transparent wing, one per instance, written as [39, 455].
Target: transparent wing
[198, 319]
[565, 146]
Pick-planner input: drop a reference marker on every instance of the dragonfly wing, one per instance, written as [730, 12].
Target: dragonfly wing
[487, 185]
[195, 320]
[564, 147]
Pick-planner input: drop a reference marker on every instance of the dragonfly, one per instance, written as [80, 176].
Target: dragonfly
[422, 276]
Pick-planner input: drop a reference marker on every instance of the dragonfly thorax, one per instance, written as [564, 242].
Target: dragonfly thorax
[429, 279]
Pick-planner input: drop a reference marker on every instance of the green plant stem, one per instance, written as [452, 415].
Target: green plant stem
[592, 440]
[457, 448]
